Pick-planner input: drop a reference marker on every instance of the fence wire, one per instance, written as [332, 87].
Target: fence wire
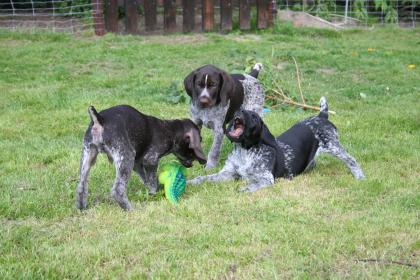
[53, 15]
[405, 13]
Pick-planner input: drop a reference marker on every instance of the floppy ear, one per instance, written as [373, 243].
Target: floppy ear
[193, 138]
[189, 83]
[227, 88]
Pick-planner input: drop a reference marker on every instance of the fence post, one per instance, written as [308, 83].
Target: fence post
[244, 15]
[150, 14]
[262, 13]
[208, 15]
[226, 15]
[111, 16]
[131, 16]
[169, 19]
[272, 12]
[98, 17]
[188, 15]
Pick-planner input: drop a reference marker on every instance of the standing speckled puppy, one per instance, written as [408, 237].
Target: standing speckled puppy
[216, 95]
[260, 158]
[136, 141]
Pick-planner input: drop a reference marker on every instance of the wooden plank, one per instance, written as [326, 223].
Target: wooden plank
[98, 17]
[188, 15]
[150, 14]
[169, 13]
[226, 15]
[131, 17]
[244, 15]
[112, 16]
[208, 15]
[262, 13]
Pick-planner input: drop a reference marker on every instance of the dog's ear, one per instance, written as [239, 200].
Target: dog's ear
[227, 87]
[189, 83]
[193, 138]
[254, 130]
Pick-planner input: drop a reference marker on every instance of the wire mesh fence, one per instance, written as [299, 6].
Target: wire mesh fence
[405, 13]
[54, 15]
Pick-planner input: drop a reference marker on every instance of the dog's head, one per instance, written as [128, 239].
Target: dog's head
[245, 128]
[187, 146]
[208, 86]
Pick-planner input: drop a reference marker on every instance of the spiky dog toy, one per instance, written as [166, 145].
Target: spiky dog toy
[173, 178]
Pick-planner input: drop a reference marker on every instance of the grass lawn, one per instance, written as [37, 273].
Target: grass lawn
[323, 224]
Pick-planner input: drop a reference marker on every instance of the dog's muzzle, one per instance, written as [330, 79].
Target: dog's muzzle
[238, 128]
[204, 101]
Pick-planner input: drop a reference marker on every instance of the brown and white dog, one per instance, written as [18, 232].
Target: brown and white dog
[216, 95]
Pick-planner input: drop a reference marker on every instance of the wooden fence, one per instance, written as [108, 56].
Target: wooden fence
[215, 15]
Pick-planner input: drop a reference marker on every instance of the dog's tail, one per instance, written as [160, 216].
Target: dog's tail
[256, 70]
[323, 112]
[94, 116]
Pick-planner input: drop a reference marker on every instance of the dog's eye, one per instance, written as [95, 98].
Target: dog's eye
[211, 84]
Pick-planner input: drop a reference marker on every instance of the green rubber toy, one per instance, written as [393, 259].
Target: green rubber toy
[173, 178]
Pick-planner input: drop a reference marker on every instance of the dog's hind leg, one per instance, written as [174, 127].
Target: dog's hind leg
[87, 160]
[334, 148]
[123, 166]
[263, 180]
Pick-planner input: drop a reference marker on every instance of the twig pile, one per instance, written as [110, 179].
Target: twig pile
[275, 94]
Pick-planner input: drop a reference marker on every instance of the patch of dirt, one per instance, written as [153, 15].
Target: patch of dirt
[245, 38]
[302, 19]
[179, 39]
[326, 71]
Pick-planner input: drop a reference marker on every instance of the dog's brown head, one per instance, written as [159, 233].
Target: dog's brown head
[209, 86]
[187, 146]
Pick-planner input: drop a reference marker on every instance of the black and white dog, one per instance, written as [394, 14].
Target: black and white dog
[136, 141]
[260, 158]
[217, 95]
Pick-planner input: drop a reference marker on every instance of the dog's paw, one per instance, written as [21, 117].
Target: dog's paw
[81, 207]
[210, 164]
[360, 177]
[81, 204]
[246, 189]
[258, 66]
[194, 181]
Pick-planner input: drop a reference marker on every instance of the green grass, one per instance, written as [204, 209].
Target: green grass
[315, 226]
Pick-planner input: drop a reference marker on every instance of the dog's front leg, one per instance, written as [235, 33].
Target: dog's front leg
[150, 173]
[227, 173]
[213, 157]
[220, 176]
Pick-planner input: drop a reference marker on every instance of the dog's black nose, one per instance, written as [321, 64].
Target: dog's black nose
[204, 102]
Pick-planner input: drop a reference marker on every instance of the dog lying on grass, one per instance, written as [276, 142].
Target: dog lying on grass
[136, 141]
[260, 158]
